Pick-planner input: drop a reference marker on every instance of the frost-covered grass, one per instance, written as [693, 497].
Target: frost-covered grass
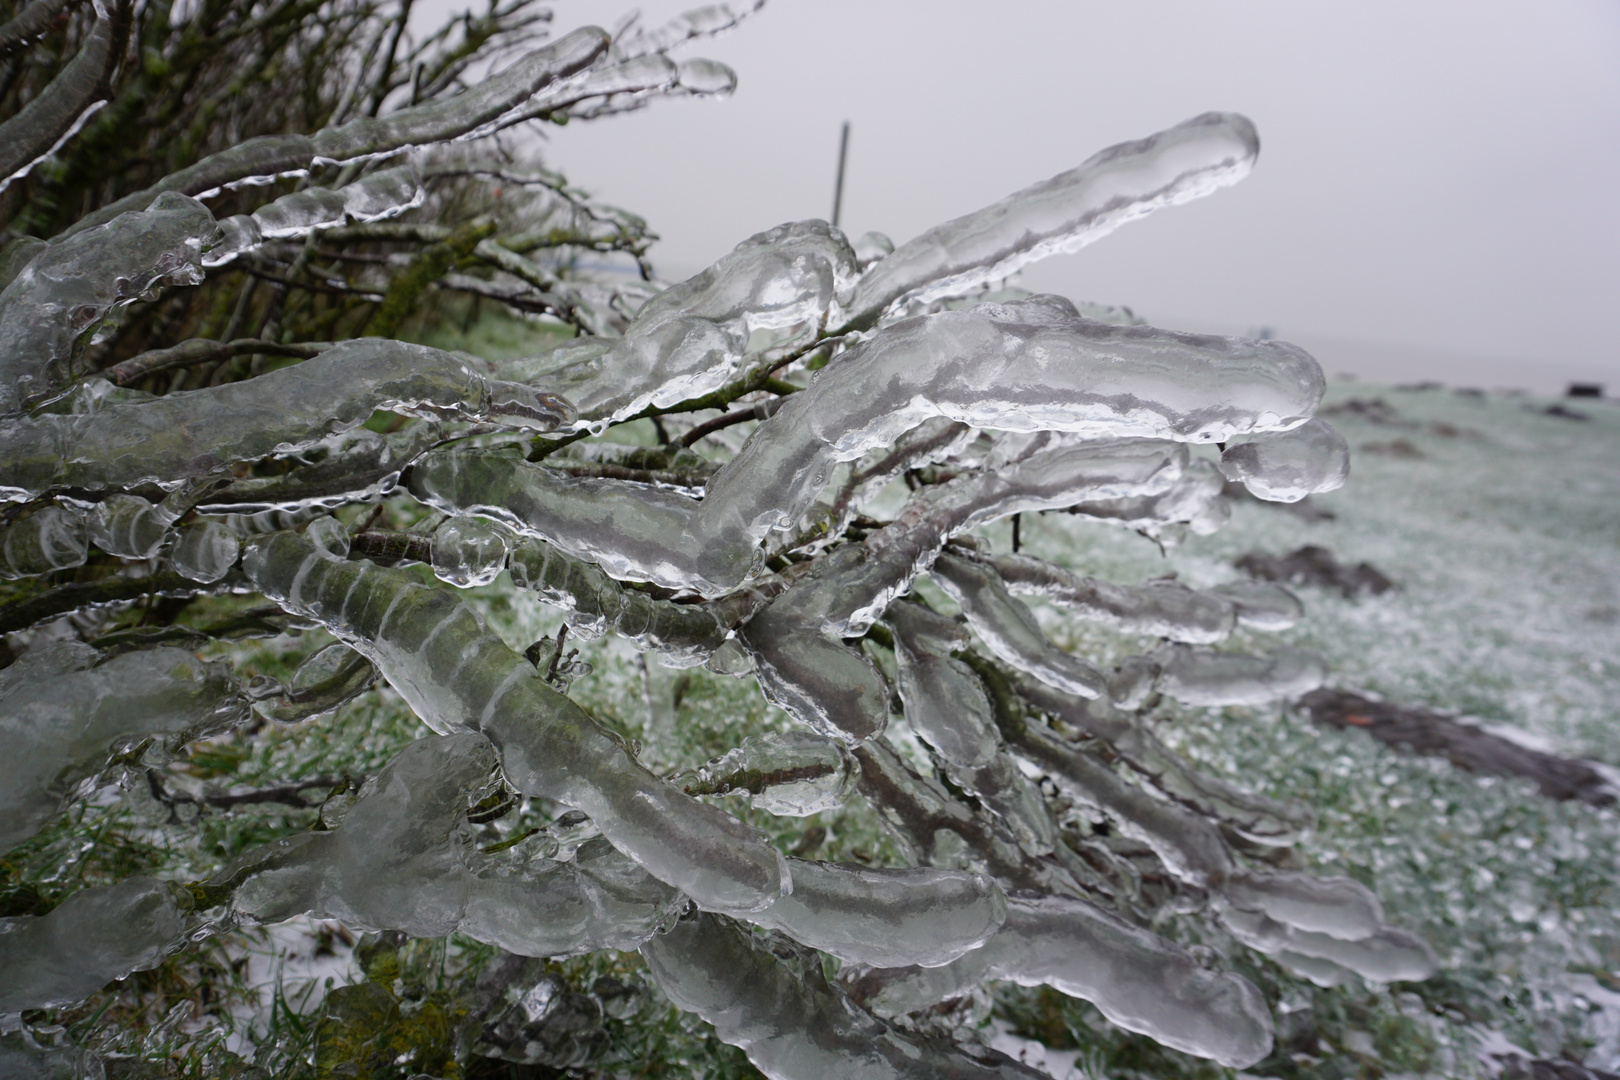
[1501, 525]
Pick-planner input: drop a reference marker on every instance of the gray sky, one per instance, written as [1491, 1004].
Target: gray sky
[1435, 196]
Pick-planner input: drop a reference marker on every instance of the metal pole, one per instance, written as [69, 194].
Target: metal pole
[838, 189]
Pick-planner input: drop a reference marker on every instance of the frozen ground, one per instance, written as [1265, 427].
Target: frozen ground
[1501, 524]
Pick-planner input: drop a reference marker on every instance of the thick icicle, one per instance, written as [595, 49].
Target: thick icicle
[887, 917]
[1195, 677]
[1288, 466]
[91, 938]
[1337, 907]
[67, 291]
[1065, 213]
[1138, 980]
[769, 294]
[793, 1024]
[1008, 628]
[63, 714]
[1157, 609]
[472, 113]
[458, 676]
[197, 433]
[204, 551]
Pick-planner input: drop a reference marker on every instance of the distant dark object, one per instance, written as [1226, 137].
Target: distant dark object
[1372, 410]
[1432, 734]
[1555, 409]
[1312, 565]
[1395, 448]
[1469, 391]
[1304, 509]
[1426, 384]
[1584, 389]
[1518, 1067]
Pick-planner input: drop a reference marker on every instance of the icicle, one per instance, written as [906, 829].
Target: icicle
[63, 715]
[1065, 213]
[1337, 907]
[196, 433]
[792, 774]
[1138, 980]
[1194, 504]
[1212, 678]
[1287, 467]
[790, 1022]
[51, 538]
[88, 940]
[468, 552]
[458, 676]
[1009, 630]
[887, 917]
[706, 21]
[1157, 609]
[67, 291]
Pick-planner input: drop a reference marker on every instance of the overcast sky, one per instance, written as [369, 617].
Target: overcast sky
[1436, 193]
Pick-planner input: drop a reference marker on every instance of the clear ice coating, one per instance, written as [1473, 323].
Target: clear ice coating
[1065, 213]
[458, 676]
[771, 293]
[984, 405]
[468, 552]
[1288, 466]
[65, 293]
[1138, 980]
[197, 433]
[91, 938]
[792, 774]
[1197, 677]
[65, 712]
[776, 1004]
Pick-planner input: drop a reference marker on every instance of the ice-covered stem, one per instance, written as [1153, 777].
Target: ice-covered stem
[1164, 609]
[198, 351]
[1256, 817]
[1031, 366]
[1288, 466]
[358, 466]
[788, 1019]
[1008, 628]
[67, 290]
[459, 676]
[197, 433]
[31, 24]
[65, 712]
[1384, 954]
[795, 773]
[59, 110]
[91, 938]
[802, 664]
[49, 538]
[1138, 980]
[1065, 213]
[769, 294]
[472, 113]
[113, 589]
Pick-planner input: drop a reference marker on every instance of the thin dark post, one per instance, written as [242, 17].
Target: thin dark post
[838, 188]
